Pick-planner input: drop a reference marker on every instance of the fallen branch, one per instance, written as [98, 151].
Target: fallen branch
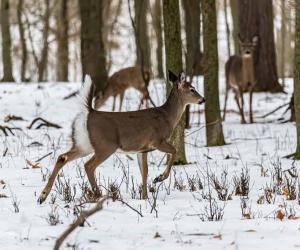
[6, 130]
[9, 118]
[80, 220]
[273, 111]
[44, 123]
[73, 94]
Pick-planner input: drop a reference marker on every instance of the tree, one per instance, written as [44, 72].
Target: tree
[234, 33]
[157, 23]
[62, 63]
[143, 53]
[6, 42]
[92, 48]
[173, 54]
[256, 18]
[192, 30]
[214, 131]
[23, 41]
[42, 66]
[297, 78]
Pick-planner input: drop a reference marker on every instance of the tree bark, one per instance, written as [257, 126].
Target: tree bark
[44, 55]
[143, 53]
[214, 131]
[192, 29]
[93, 58]
[157, 23]
[256, 18]
[173, 52]
[23, 41]
[297, 77]
[6, 42]
[234, 16]
[62, 63]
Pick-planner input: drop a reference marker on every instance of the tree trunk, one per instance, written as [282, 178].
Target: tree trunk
[143, 53]
[23, 41]
[62, 63]
[192, 29]
[6, 42]
[44, 55]
[234, 16]
[214, 131]
[92, 48]
[227, 28]
[297, 78]
[173, 52]
[256, 18]
[157, 23]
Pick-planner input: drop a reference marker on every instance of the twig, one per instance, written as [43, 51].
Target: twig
[43, 157]
[6, 129]
[73, 94]
[273, 111]
[44, 123]
[125, 203]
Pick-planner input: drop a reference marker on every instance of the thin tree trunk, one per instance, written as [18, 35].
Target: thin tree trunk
[173, 52]
[227, 28]
[234, 15]
[6, 42]
[92, 48]
[157, 23]
[44, 55]
[192, 30]
[297, 78]
[23, 41]
[143, 53]
[62, 64]
[282, 49]
[256, 18]
[214, 131]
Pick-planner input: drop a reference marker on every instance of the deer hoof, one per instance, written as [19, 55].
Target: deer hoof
[42, 197]
[159, 178]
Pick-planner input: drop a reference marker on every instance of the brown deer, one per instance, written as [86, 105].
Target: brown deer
[122, 80]
[104, 133]
[240, 75]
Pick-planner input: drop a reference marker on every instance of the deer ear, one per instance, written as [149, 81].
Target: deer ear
[182, 79]
[255, 39]
[172, 77]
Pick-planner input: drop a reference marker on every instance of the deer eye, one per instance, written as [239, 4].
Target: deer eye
[193, 90]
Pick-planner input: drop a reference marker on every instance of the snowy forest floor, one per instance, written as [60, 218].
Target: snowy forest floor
[185, 212]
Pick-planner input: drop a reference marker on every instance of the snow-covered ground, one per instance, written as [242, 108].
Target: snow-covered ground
[180, 219]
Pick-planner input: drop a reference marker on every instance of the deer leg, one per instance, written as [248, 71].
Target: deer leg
[237, 99]
[142, 160]
[90, 167]
[121, 101]
[242, 108]
[114, 103]
[250, 104]
[169, 149]
[225, 103]
[73, 154]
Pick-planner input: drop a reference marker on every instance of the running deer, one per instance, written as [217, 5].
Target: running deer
[104, 133]
[240, 75]
[122, 80]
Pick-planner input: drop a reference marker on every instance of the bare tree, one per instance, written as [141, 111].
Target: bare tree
[62, 63]
[214, 131]
[22, 39]
[173, 52]
[6, 42]
[92, 47]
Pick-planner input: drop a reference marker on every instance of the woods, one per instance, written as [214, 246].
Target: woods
[168, 117]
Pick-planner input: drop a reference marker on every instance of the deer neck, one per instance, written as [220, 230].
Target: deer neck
[174, 107]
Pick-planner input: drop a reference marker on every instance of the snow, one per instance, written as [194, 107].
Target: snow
[179, 219]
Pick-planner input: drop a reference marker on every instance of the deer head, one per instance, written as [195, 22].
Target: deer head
[248, 46]
[185, 91]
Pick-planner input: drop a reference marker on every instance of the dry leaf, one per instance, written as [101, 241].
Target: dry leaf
[260, 200]
[3, 196]
[247, 216]
[218, 236]
[157, 235]
[280, 215]
[33, 165]
[250, 231]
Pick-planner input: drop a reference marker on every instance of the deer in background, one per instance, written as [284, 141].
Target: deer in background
[240, 75]
[122, 80]
[104, 133]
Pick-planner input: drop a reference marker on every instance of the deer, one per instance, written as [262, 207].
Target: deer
[240, 75]
[122, 80]
[101, 134]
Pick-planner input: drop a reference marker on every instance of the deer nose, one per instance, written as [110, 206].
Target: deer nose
[202, 101]
[247, 52]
